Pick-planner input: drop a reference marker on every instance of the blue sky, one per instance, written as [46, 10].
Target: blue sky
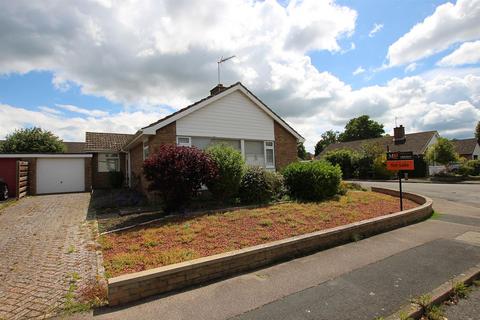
[115, 67]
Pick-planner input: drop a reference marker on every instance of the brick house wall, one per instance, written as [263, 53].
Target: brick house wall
[88, 174]
[285, 147]
[165, 135]
[101, 180]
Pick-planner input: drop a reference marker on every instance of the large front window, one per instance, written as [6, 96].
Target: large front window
[108, 162]
[256, 152]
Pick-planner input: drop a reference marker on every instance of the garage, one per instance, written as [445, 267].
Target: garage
[59, 175]
[51, 172]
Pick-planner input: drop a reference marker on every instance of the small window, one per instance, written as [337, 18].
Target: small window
[269, 154]
[108, 162]
[184, 141]
[146, 149]
[475, 157]
[255, 153]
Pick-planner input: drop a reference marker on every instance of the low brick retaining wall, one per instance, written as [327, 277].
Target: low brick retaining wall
[135, 286]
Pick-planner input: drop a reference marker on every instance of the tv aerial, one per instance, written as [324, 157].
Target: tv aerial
[219, 62]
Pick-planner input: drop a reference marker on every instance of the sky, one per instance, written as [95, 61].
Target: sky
[116, 66]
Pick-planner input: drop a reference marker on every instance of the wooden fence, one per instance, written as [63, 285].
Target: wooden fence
[22, 179]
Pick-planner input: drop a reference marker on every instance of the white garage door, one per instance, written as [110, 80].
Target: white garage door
[60, 175]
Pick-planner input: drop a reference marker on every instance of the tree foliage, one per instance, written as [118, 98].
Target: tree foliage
[301, 152]
[327, 138]
[361, 128]
[177, 173]
[442, 152]
[32, 140]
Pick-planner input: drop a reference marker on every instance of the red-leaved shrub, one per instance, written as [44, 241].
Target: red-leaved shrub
[177, 173]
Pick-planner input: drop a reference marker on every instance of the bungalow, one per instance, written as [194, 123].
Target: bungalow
[417, 143]
[231, 115]
[467, 148]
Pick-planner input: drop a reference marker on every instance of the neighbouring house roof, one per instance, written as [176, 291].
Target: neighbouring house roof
[151, 128]
[465, 146]
[416, 142]
[102, 141]
[74, 147]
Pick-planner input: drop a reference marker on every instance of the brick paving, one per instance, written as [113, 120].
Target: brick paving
[44, 240]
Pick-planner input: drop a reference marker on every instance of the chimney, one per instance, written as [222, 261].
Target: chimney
[217, 89]
[399, 135]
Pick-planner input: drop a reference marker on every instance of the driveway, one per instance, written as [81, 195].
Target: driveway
[44, 242]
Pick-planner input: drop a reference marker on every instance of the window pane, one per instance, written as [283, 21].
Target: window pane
[233, 143]
[269, 153]
[108, 162]
[183, 140]
[254, 154]
[201, 142]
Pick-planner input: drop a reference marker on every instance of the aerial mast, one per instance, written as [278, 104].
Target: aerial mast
[222, 60]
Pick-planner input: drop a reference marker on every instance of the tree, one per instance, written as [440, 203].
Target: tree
[442, 152]
[477, 132]
[301, 152]
[327, 138]
[32, 140]
[361, 128]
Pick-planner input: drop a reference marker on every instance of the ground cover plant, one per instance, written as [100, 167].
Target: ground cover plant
[184, 238]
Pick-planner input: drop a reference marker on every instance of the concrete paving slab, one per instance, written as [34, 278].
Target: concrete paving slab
[470, 237]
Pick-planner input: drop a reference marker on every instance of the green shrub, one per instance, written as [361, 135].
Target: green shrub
[346, 159]
[312, 181]
[231, 167]
[470, 168]
[255, 186]
[276, 181]
[380, 168]
[115, 178]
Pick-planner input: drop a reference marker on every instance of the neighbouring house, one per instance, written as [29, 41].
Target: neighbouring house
[417, 142]
[467, 148]
[231, 115]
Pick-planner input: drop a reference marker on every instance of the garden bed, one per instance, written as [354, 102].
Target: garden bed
[187, 238]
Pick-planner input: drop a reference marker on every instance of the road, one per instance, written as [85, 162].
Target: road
[360, 280]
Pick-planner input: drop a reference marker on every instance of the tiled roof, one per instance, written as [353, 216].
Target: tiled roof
[416, 142]
[74, 147]
[102, 141]
[465, 146]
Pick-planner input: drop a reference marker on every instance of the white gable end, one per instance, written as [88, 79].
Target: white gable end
[232, 116]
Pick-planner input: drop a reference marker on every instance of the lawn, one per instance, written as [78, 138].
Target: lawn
[187, 238]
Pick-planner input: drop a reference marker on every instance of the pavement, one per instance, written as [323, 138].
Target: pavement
[360, 280]
[466, 309]
[44, 240]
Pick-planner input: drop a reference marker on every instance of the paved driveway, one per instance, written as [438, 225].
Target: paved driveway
[44, 240]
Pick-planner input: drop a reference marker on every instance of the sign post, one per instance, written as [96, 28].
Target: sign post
[399, 161]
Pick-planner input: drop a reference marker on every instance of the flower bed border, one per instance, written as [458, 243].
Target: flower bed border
[131, 287]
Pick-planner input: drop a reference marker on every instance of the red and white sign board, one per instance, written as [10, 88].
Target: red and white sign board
[396, 165]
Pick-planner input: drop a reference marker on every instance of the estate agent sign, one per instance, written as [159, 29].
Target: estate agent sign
[397, 161]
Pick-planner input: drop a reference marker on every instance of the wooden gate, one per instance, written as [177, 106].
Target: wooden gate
[22, 179]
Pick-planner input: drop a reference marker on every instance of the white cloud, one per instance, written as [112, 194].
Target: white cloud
[73, 129]
[164, 52]
[87, 112]
[449, 24]
[411, 67]
[376, 28]
[358, 71]
[467, 53]
[49, 110]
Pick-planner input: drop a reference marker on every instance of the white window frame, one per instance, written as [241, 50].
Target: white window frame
[182, 144]
[108, 156]
[145, 149]
[272, 147]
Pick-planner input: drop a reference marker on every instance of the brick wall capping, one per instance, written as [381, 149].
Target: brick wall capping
[134, 286]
